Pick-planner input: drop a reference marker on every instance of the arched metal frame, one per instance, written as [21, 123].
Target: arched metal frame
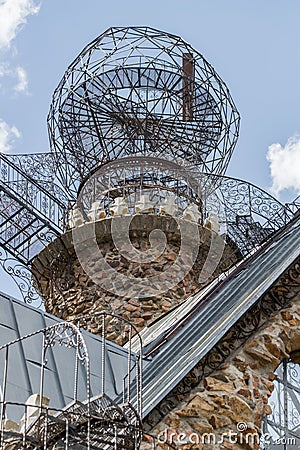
[246, 213]
[93, 422]
[29, 222]
[133, 176]
[281, 429]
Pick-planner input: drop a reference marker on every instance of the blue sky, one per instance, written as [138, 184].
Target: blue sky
[253, 45]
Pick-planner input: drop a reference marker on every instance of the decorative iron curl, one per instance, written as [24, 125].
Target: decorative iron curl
[68, 335]
[23, 278]
[39, 166]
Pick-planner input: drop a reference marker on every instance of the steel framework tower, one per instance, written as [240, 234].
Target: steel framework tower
[132, 92]
[141, 132]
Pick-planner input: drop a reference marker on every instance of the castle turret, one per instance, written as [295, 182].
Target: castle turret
[134, 126]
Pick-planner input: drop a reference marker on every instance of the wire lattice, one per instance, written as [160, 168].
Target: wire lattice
[140, 91]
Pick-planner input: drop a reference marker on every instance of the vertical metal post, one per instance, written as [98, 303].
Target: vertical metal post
[3, 395]
[88, 389]
[285, 400]
[67, 434]
[137, 378]
[103, 356]
[142, 180]
[45, 429]
[128, 365]
[76, 370]
[141, 379]
[24, 431]
[94, 189]
[42, 373]
[187, 87]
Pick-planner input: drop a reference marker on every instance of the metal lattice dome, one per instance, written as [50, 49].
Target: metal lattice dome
[140, 91]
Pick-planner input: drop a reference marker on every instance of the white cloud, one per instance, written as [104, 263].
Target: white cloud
[4, 69]
[285, 165]
[13, 14]
[8, 135]
[22, 83]
[17, 74]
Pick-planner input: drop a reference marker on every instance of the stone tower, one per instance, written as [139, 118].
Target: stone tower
[131, 217]
[140, 136]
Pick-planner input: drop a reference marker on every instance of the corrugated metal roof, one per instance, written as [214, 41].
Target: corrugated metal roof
[193, 329]
[205, 326]
[17, 320]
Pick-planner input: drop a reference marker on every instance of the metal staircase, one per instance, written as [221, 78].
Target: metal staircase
[32, 213]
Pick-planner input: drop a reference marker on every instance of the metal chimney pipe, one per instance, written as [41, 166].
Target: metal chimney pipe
[187, 86]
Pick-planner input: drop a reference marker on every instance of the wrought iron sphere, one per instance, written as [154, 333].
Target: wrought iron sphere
[140, 91]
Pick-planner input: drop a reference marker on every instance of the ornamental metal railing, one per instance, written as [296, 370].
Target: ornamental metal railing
[89, 418]
[31, 212]
[281, 429]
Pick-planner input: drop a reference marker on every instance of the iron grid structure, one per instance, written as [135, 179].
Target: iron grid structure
[139, 111]
[140, 91]
[148, 109]
[87, 421]
[247, 214]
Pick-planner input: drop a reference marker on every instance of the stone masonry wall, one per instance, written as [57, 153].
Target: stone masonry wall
[234, 399]
[69, 292]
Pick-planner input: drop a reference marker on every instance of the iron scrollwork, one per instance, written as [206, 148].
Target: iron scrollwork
[23, 278]
[68, 335]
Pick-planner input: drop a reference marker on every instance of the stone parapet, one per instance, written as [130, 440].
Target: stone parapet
[69, 292]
